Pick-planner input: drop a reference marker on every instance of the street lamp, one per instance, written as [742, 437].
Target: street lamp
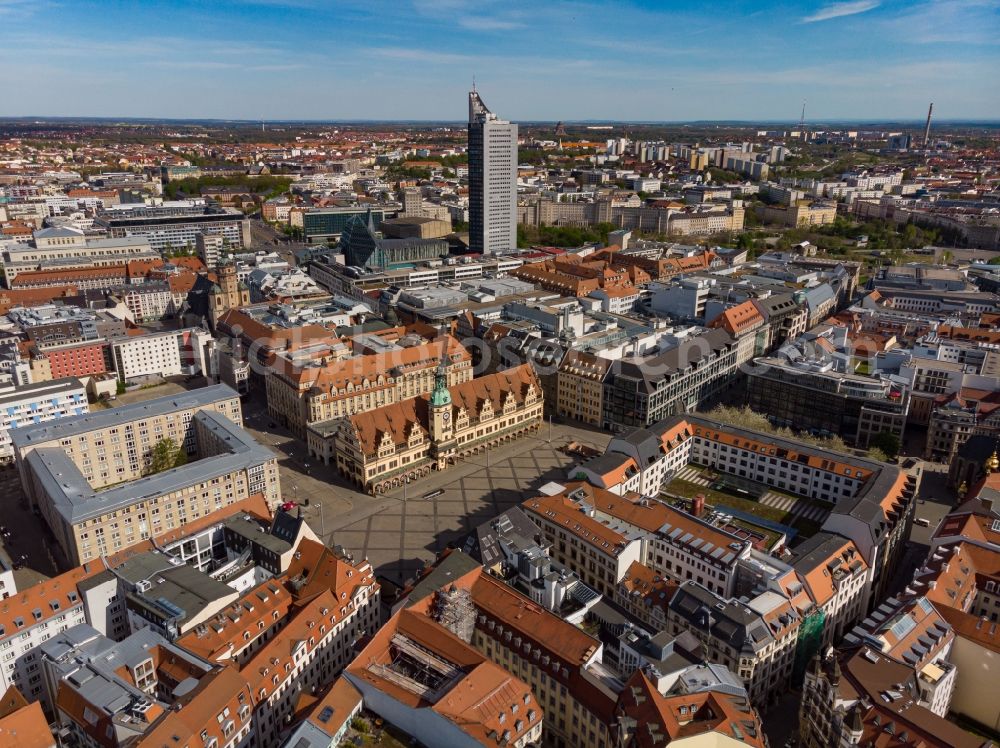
[322, 521]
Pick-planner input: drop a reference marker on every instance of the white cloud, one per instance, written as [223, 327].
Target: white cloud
[949, 22]
[420, 55]
[839, 10]
[481, 23]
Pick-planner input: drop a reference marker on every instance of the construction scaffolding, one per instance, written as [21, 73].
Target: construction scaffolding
[809, 642]
[454, 609]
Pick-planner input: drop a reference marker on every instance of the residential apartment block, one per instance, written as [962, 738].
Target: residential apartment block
[89, 477]
[30, 404]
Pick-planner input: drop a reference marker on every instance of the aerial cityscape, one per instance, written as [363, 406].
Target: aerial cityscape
[474, 374]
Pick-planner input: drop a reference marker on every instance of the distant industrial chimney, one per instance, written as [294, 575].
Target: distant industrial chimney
[927, 127]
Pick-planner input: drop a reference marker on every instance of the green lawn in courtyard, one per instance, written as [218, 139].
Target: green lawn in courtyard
[805, 527]
[688, 490]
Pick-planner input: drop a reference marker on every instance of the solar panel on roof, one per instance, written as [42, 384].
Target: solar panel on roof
[718, 552]
[687, 537]
[728, 557]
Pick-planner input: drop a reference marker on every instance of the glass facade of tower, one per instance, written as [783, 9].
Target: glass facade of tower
[322, 225]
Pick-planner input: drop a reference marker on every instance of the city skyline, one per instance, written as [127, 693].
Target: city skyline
[309, 60]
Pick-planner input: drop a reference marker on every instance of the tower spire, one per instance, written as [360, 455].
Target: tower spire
[441, 396]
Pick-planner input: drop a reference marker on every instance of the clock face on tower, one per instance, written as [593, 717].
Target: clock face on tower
[446, 417]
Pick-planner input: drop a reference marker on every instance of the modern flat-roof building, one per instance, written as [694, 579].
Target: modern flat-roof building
[77, 253]
[176, 226]
[91, 479]
[323, 225]
[811, 395]
[38, 403]
[695, 373]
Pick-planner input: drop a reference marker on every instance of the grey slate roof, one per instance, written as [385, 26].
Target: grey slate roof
[66, 427]
[72, 496]
[725, 620]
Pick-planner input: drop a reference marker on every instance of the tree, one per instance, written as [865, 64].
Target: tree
[878, 455]
[747, 418]
[887, 442]
[165, 455]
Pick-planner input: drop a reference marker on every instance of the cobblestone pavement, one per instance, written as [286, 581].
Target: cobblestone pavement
[401, 531]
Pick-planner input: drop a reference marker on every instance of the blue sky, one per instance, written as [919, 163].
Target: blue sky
[541, 60]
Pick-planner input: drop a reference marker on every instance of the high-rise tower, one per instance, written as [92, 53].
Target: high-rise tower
[492, 180]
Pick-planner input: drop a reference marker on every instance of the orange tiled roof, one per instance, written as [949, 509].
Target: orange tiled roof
[142, 268]
[642, 583]
[317, 568]
[68, 277]
[819, 581]
[23, 604]
[354, 371]
[739, 319]
[565, 514]
[11, 297]
[26, 728]
[483, 691]
[224, 689]
[234, 627]
[343, 698]
[660, 720]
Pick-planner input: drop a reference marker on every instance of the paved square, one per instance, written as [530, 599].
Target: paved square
[473, 493]
[399, 536]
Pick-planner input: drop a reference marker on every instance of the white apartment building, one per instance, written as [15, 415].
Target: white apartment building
[145, 355]
[147, 302]
[599, 552]
[210, 248]
[32, 616]
[616, 300]
[308, 653]
[38, 403]
[684, 298]
[164, 353]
